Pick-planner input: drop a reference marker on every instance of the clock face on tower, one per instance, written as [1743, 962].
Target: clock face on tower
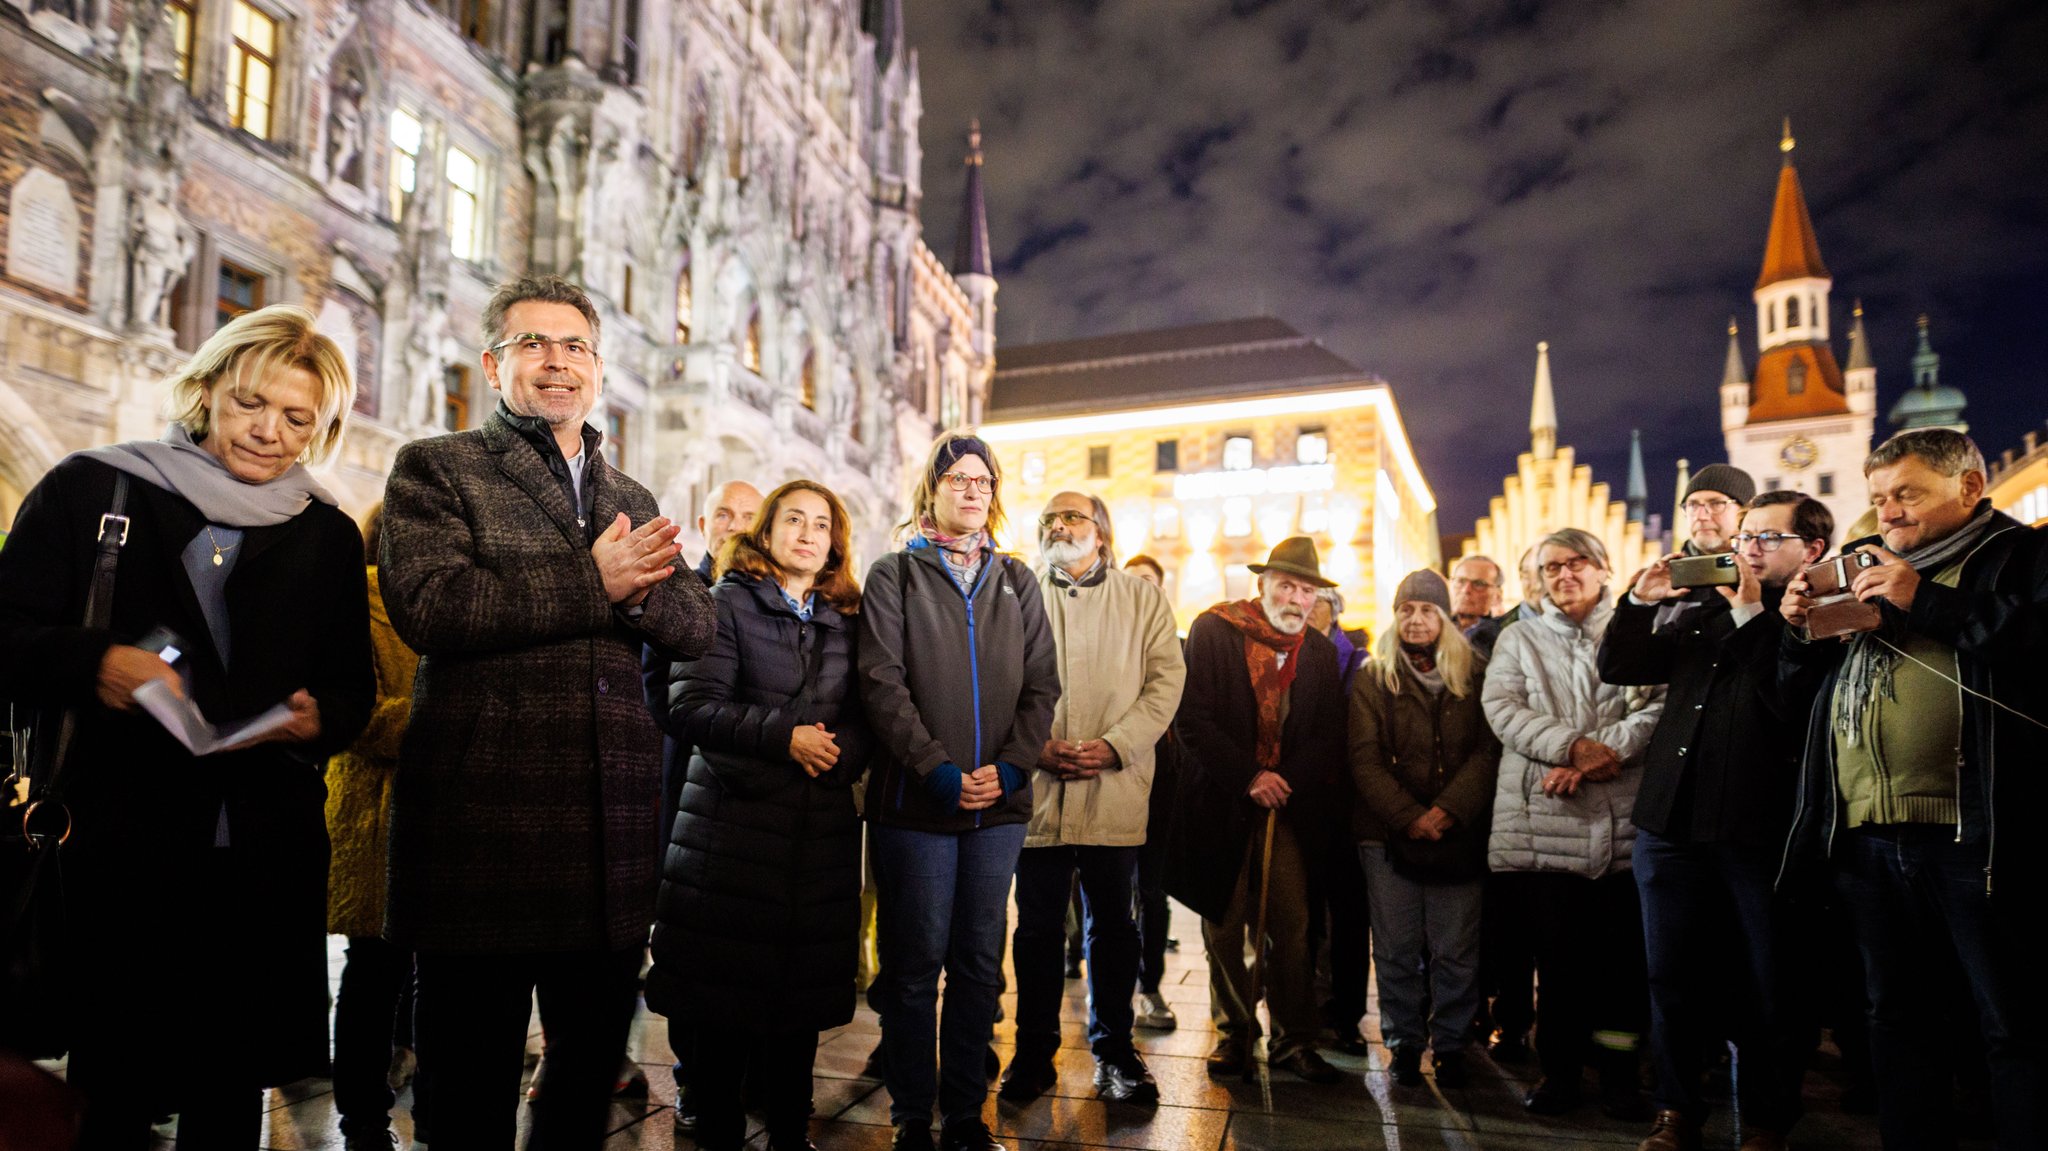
[1798, 454]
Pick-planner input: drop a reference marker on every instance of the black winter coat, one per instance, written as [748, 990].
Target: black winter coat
[1217, 729]
[949, 681]
[758, 921]
[1723, 763]
[234, 977]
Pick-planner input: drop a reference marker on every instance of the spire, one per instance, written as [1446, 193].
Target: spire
[1543, 408]
[970, 247]
[1638, 487]
[1926, 363]
[1733, 371]
[1792, 252]
[883, 19]
[1859, 343]
[1927, 404]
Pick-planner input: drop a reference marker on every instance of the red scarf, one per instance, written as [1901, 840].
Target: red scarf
[1269, 657]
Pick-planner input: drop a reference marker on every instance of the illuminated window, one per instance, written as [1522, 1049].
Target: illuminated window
[1098, 462]
[626, 288]
[455, 398]
[807, 382]
[1237, 453]
[1315, 513]
[615, 438]
[1166, 456]
[465, 194]
[184, 16]
[1312, 447]
[750, 342]
[240, 291]
[1237, 517]
[1165, 521]
[406, 138]
[1034, 469]
[685, 302]
[252, 66]
[474, 16]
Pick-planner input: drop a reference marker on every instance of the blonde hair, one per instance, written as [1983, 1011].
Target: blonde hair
[946, 451]
[248, 350]
[1454, 656]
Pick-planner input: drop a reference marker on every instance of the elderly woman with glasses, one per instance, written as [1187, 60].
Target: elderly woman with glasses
[958, 672]
[1561, 836]
[239, 588]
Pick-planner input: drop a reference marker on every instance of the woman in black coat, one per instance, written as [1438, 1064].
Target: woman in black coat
[196, 885]
[758, 921]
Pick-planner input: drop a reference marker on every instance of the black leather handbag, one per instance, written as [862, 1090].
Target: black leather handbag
[35, 989]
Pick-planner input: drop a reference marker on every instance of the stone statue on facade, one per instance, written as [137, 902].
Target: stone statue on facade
[160, 244]
[345, 129]
[423, 274]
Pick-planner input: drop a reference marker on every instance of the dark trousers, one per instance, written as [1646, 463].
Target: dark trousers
[1342, 880]
[1589, 961]
[1154, 918]
[366, 1022]
[770, 1071]
[1913, 892]
[1507, 958]
[1043, 876]
[473, 1015]
[1703, 904]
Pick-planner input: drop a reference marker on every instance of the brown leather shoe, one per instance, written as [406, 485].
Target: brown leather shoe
[1672, 1133]
[1758, 1139]
[1228, 1059]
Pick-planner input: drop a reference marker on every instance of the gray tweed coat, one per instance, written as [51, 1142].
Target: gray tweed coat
[530, 775]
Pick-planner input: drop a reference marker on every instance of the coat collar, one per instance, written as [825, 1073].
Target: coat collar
[769, 596]
[528, 455]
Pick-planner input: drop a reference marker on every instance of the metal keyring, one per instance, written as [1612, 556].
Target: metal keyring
[30, 814]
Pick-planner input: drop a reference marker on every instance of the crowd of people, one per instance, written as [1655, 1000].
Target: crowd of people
[1743, 794]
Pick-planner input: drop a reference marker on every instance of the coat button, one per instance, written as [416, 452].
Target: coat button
[1682, 751]
[603, 685]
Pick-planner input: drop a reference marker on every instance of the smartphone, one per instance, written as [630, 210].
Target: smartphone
[1705, 571]
[1832, 576]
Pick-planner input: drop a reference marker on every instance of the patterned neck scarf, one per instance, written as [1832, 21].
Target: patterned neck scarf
[1269, 657]
[964, 554]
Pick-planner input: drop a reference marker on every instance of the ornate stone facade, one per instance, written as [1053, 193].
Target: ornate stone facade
[734, 181]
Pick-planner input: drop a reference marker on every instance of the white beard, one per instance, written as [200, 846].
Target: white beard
[1284, 624]
[1066, 553]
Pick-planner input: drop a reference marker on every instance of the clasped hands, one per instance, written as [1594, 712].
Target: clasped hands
[632, 560]
[814, 748]
[1080, 761]
[1431, 824]
[1591, 762]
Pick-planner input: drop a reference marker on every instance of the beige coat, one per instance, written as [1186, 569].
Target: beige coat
[1121, 674]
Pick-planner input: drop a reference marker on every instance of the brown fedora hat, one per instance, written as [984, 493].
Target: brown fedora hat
[1295, 555]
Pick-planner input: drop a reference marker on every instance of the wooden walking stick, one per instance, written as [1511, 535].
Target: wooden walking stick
[1251, 1062]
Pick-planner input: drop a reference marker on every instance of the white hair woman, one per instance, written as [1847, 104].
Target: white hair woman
[232, 554]
[1423, 763]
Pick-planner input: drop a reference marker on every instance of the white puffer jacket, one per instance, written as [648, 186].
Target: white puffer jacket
[1542, 692]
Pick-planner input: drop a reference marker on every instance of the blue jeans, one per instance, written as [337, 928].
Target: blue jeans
[1704, 905]
[1918, 902]
[1425, 950]
[939, 904]
[1043, 876]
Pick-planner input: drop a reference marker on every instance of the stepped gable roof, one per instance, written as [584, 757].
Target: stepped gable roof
[1225, 360]
[1809, 364]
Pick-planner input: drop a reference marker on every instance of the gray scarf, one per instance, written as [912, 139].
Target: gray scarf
[1867, 672]
[182, 467]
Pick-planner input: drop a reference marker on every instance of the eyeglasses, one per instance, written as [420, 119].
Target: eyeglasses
[1707, 507]
[959, 482]
[1765, 541]
[1072, 519]
[534, 346]
[1575, 565]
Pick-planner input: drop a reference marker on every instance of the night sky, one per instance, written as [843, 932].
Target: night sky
[1433, 187]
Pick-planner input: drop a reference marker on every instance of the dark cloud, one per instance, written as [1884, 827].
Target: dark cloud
[1434, 187]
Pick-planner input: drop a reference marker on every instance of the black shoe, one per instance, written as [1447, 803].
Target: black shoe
[1407, 1066]
[1029, 1075]
[1228, 1058]
[1350, 1042]
[793, 1141]
[1304, 1062]
[874, 1067]
[912, 1137]
[1073, 967]
[1449, 1069]
[1509, 1050]
[1124, 1078]
[968, 1135]
[685, 1112]
[992, 1065]
[1172, 944]
[1550, 1098]
[384, 1140]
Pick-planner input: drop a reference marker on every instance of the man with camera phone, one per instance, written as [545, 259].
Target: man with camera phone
[1924, 744]
[1712, 810]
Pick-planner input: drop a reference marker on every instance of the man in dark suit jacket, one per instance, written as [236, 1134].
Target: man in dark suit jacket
[528, 573]
[1262, 729]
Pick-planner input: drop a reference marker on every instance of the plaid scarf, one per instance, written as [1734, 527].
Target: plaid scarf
[1269, 657]
[964, 554]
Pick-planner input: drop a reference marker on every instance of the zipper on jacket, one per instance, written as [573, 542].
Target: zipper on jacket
[973, 655]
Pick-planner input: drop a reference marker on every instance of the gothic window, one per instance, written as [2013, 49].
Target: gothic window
[184, 17]
[1770, 320]
[615, 438]
[252, 70]
[626, 288]
[474, 18]
[1791, 311]
[455, 398]
[750, 341]
[696, 128]
[807, 381]
[684, 302]
[1795, 378]
[465, 194]
[406, 140]
[240, 290]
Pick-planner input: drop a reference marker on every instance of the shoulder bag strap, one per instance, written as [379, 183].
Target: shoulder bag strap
[99, 608]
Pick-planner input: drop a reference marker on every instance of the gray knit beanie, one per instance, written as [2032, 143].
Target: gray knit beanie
[1730, 481]
[1425, 585]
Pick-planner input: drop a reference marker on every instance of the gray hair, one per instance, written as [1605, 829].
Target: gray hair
[1578, 541]
[1476, 558]
[1334, 598]
[1949, 452]
[548, 289]
[1105, 537]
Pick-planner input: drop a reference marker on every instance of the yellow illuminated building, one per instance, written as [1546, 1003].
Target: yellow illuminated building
[1212, 443]
[2019, 482]
[1549, 491]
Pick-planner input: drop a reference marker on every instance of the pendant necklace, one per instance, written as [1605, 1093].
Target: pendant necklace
[218, 550]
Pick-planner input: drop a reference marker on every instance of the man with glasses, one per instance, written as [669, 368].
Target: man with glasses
[528, 573]
[1475, 601]
[1711, 814]
[1120, 680]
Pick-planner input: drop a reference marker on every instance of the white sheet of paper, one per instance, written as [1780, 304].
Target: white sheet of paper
[181, 717]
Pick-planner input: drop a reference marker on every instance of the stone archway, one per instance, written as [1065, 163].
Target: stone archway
[28, 449]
